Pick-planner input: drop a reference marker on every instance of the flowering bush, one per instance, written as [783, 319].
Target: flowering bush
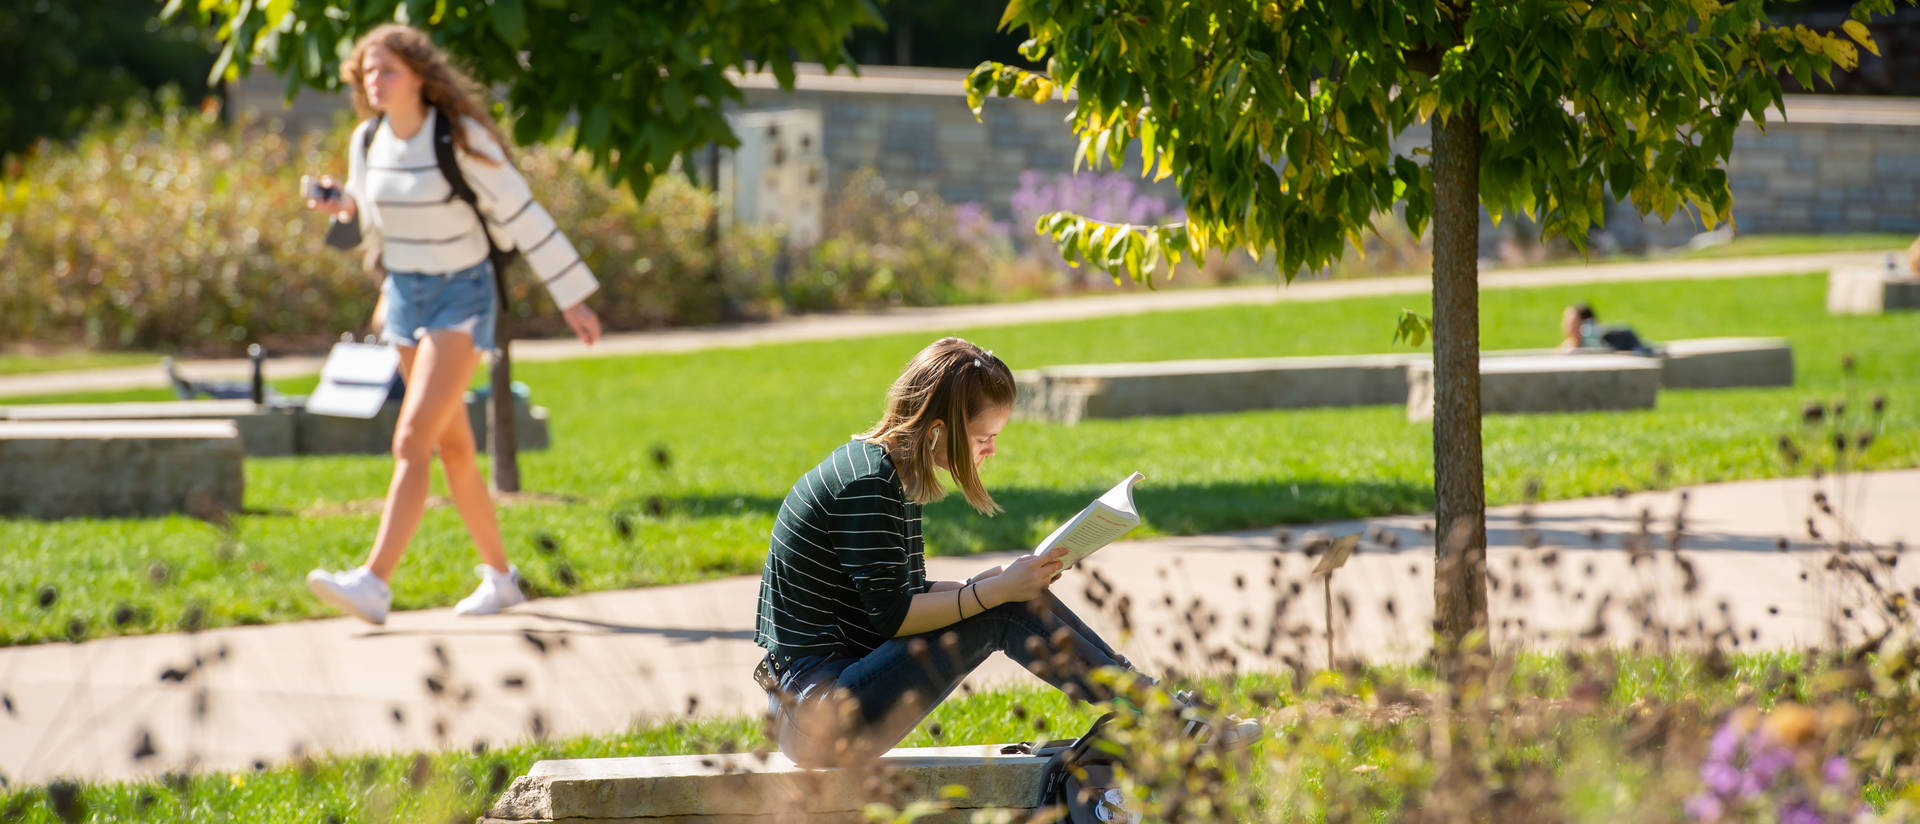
[1780, 765]
[884, 247]
[1114, 198]
[174, 231]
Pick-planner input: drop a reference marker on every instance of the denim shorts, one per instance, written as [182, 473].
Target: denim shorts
[462, 301]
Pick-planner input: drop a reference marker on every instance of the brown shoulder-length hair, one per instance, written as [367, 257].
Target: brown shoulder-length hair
[949, 383]
[444, 87]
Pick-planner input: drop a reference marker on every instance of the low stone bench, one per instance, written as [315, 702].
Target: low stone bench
[750, 789]
[278, 431]
[331, 435]
[265, 431]
[1718, 363]
[75, 469]
[1548, 383]
[1871, 290]
[1068, 394]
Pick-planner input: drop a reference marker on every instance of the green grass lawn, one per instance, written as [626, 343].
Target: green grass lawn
[21, 362]
[1758, 245]
[1322, 738]
[741, 424]
[14, 361]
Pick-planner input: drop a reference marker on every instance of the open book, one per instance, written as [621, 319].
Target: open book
[1106, 519]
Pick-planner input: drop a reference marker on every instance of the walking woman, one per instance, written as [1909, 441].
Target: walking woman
[860, 645]
[438, 302]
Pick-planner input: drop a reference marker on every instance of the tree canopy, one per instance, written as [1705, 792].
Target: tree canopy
[1279, 120]
[646, 82]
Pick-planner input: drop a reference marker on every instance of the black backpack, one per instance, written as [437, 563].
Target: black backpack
[344, 236]
[1079, 781]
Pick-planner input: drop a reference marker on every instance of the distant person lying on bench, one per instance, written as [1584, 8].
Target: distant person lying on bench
[1581, 329]
[188, 390]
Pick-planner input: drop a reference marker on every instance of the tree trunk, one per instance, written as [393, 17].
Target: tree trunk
[1459, 580]
[503, 444]
[716, 272]
[902, 40]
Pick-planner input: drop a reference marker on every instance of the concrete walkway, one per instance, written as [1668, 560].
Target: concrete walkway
[598, 662]
[949, 319]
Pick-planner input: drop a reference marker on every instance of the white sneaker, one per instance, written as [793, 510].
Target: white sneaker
[357, 591]
[496, 592]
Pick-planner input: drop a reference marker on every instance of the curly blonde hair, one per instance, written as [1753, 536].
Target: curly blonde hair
[445, 88]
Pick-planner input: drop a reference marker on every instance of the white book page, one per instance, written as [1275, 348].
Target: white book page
[1106, 519]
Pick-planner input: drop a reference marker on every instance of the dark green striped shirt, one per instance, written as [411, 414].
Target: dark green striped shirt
[845, 559]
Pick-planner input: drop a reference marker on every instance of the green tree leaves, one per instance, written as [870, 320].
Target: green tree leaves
[64, 61]
[647, 82]
[1281, 121]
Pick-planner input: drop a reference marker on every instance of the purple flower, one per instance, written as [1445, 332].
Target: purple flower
[1705, 808]
[1114, 198]
[1801, 812]
[1769, 758]
[1726, 741]
[1720, 777]
[1837, 772]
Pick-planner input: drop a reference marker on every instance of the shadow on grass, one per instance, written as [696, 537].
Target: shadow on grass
[582, 626]
[1029, 514]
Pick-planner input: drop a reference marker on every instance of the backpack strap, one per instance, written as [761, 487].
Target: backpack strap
[443, 150]
[1080, 754]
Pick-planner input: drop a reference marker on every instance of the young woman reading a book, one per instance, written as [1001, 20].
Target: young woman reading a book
[860, 645]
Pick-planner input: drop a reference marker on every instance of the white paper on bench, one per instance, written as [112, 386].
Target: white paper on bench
[354, 380]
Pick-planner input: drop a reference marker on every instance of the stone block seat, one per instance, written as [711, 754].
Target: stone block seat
[1548, 383]
[744, 788]
[1068, 394]
[277, 431]
[331, 435]
[265, 431]
[72, 469]
[1872, 290]
[1718, 363]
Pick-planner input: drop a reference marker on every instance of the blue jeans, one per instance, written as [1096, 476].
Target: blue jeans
[833, 711]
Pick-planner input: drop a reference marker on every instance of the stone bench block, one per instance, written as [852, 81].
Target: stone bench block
[78, 469]
[1715, 363]
[1068, 394]
[742, 788]
[265, 431]
[330, 435]
[1548, 383]
[1871, 290]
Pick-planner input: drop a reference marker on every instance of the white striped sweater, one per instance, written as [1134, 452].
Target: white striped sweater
[408, 207]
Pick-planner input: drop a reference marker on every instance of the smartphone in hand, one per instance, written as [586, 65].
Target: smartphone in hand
[316, 191]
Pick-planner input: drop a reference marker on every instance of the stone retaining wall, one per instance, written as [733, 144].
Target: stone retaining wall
[1835, 164]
